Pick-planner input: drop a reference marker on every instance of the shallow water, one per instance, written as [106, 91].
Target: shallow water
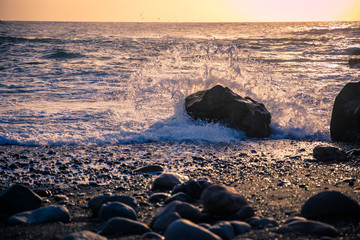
[109, 83]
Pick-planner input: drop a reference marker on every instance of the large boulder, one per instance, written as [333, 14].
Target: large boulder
[222, 201]
[18, 198]
[221, 105]
[345, 119]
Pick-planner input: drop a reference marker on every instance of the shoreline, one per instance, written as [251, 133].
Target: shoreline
[275, 176]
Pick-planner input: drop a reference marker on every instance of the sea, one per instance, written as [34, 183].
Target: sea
[82, 83]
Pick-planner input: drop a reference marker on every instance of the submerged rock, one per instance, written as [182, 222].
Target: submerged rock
[18, 198]
[84, 235]
[345, 118]
[119, 226]
[221, 105]
[222, 201]
[322, 153]
[330, 204]
[184, 229]
[354, 63]
[52, 213]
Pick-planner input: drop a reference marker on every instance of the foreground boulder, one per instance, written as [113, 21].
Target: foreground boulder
[323, 153]
[345, 119]
[221, 105]
[222, 201]
[84, 235]
[168, 181]
[18, 198]
[54, 213]
[120, 227]
[308, 227]
[330, 204]
[184, 229]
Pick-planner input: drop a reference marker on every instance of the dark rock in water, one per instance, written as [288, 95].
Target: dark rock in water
[158, 197]
[96, 202]
[150, 169]
[354, 63]
[184, 229]
[192, 188]
[353, 51]
[245, 212]
[330, 204]
[164, 221]
[222, 201]
[52, 213]
[84, 235]
[185, 210]
[221, 105]
[18, 198]
[263, 223]
[116, 209]
[308, 227]
[322, 153]
[240, 227]
[168, 181]
[182, 197]
[151, 236]
[345, 118]
[120, 227]
[223, 229]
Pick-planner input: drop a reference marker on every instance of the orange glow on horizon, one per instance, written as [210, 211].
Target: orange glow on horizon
[180, 10]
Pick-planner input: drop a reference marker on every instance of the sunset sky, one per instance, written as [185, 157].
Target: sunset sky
[180, 10]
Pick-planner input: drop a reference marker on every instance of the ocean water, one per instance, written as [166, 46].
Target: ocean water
[110, 83]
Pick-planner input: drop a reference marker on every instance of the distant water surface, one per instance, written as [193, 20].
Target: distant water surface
[109, 83]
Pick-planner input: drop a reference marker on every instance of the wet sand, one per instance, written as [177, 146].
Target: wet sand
[275, 176]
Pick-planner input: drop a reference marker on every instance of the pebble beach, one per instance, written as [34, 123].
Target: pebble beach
[276, 177]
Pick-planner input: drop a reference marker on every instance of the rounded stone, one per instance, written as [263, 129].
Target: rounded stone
[185, 210]
[222, 201]
[186, 230]
[224, 230]
[84, 235]
[308, 227]
[119, 226]
[329, 204]
[116, 209]
[53, 213]
[168, 180]
[18, 198]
